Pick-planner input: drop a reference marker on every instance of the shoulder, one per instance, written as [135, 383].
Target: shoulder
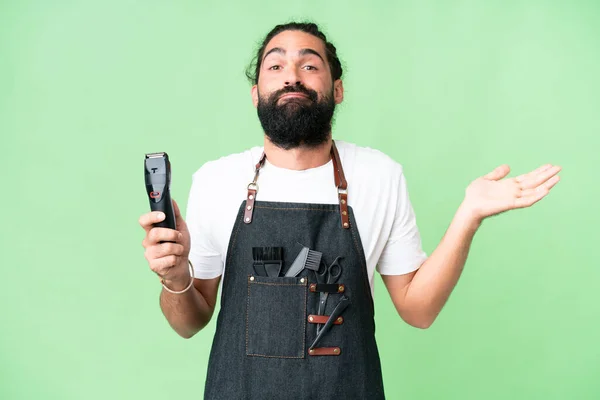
[231, 167]
[218, 188]
[369, 162]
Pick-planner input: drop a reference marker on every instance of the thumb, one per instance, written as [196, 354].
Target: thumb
[498, 173]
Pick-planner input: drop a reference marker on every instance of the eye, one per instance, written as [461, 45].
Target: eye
[275, 67]
[310, 68]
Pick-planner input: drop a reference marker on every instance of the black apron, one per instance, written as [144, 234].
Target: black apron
[267, 324]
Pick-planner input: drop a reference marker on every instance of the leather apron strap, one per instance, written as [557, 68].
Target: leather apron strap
[340, 183]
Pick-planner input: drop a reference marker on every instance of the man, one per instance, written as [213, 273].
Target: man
[301, 336]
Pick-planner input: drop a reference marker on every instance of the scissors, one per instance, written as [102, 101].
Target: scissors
[328, 275]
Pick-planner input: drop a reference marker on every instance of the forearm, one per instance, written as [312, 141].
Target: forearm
[188, 312]
[433, 283]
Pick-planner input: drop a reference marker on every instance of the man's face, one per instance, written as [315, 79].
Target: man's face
[295, 95]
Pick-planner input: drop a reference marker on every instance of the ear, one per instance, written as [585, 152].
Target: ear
[254, 92]
[338, 91]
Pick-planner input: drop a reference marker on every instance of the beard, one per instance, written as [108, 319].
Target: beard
[296, 122]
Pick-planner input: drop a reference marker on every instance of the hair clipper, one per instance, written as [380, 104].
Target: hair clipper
[157, 172]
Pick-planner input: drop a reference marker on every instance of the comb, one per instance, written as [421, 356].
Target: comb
[267, 260]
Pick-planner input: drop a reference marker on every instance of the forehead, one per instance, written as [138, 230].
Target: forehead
[293, 41]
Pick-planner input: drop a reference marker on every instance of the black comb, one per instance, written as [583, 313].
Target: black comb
[267, 260]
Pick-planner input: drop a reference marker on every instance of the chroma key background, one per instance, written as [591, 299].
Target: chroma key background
[449, 89]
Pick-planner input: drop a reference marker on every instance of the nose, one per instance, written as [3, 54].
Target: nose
[292, 78]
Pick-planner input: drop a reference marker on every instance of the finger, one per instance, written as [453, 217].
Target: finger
[535, 173]
[549, 184]
[540, 178]
[527, 201]
[162, 266]
[532, 196]
[542, 168]
[165, 249]
[149, 219]
[498, 173]
[157, 235]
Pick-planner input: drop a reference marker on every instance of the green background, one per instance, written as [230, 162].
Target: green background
[450, 89]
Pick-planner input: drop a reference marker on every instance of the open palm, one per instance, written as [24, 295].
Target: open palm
[491, 194]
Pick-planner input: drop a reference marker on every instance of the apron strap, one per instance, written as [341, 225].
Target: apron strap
[340, 183]
[252, 189]
[342, 186]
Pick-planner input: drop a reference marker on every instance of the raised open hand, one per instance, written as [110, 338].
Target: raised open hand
[491, 194]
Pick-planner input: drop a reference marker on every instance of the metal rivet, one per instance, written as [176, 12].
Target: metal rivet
[345, 224]
[247, 219]
[311, 351]
[341, 289]
[249, 207]
[343, 201]
[251, 278]
[344, 213]
[311, 319]
[339, 320]
[251, 197]
[302, 280]
[336, 351]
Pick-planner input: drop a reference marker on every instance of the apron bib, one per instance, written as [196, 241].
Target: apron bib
[267, 325]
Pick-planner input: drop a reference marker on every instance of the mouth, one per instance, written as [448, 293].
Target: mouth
[293, 95]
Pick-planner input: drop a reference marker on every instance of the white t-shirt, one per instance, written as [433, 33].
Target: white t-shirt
[377, 193]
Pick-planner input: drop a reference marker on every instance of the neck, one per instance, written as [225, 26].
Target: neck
[300, 158]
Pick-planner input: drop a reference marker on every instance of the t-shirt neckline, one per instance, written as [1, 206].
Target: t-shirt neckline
[279, 170]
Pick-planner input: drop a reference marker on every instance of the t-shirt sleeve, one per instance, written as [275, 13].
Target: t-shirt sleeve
[204, 255]
[403, 252]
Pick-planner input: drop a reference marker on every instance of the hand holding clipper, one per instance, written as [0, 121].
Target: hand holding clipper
[167, 240]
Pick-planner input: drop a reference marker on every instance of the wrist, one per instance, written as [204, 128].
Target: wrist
[467, 216]
[182, 283]
[176, 284]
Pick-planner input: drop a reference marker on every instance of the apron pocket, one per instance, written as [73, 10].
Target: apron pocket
[276, 317]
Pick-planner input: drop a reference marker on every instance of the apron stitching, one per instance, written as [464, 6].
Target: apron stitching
[233, 243]
[365, 279]
[295, 208]
[247, 315]
[358, 250]
[263, 355]
[304, 326]
[277, 284]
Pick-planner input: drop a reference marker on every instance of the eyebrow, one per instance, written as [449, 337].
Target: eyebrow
[302, 52]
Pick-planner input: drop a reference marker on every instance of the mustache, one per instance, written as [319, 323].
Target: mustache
[311, 94]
